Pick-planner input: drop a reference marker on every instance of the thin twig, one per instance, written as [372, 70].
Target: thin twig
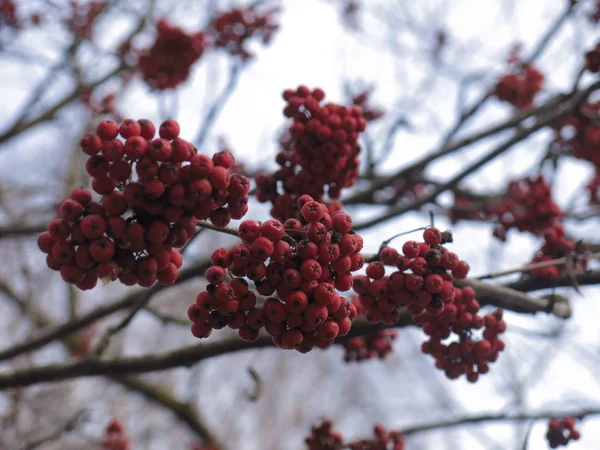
[539, 265]
[500, 417]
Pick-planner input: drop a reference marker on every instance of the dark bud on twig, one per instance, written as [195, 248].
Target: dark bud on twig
[447, 237]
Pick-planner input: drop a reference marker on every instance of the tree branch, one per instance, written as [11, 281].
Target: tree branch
[563, 110]
[499, 417]
[98, 313]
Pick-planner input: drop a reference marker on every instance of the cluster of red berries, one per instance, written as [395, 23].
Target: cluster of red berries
[561, 432]
[374, 345]
[134, 232]
[527, 206]
[584, 141]
[429, 295]
[231, 30]
[324, 437]
[556, 245]
[168, 62]
[322, 153]
[520, 87]
[466, 356]
[114, 437]
[428, 288]
[592, 59]
[298, 265]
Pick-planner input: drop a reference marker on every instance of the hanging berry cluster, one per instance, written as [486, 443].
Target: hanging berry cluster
[114, 437]
[324, 437]
[429, 295]
[561, 432]
[429, 286]
[231, 30]
[557, 245]
[465, 356]
[584, 141]
[168, 62]
[527, 206]
[321, 155]
[374, 345]
[298, 265]
[520, 87]
[134, 232]
[592, 59]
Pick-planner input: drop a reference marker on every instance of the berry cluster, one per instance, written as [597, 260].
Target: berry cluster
[168, 62]
[232, 29]
[298, 265]
[592, 59]
[556, 245]
[584, 141]
[527, 206]
[134, 232]
[466, 356]
[561, 432]
[324, 437]
[321, 154]
[374, 345]
[427, 288]
[520, 87]
[114, 437]
[428, 294]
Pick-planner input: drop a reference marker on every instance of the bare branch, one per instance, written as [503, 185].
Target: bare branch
[68, 426]
[98, 313]
[500, 417]
[561, 111]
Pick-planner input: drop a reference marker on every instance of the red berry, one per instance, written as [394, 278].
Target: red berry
[169, 129]
[107, 129]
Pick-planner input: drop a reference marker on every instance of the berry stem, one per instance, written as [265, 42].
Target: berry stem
[227, 230]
